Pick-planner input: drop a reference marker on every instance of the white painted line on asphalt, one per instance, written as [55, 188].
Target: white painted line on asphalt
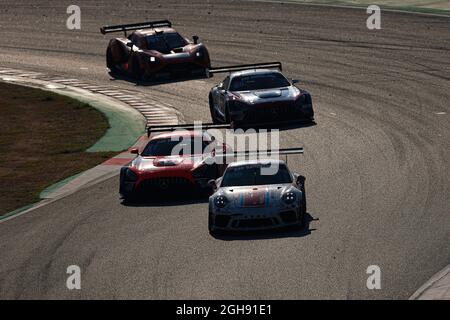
[28, 75]
[152, 108]
[156, 116]
[55, 86]
[9, 72]
[441, 113]
[126, 98]
[65, 80]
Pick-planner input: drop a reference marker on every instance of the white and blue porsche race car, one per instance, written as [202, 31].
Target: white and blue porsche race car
[247, 199]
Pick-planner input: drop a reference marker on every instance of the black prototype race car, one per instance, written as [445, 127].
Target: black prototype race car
[258, 93]
[155, 50]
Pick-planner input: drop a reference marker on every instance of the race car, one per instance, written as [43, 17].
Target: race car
[246, 198]
[258, 94]
[173, 161]
[155, 50]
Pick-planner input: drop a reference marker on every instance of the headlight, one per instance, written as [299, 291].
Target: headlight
[289, 197]
[220, 201]
[198, 54]
[131, 175]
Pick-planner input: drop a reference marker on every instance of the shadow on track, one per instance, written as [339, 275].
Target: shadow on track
[289, 232]
[151, 83]
[282, 126]
[167, 200]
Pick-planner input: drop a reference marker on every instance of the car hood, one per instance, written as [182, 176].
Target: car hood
[255, 196]
[167, 163]
[262, 96]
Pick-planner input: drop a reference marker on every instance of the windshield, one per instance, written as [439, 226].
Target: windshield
[167, 147]
[165, 42]
[250, 175]
[259, 82]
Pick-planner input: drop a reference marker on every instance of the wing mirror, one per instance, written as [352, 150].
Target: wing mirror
[299, 179]
[195, 38]
[212, 183]
[295, 81]
[134, 151]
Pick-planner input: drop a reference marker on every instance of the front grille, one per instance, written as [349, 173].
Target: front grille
[166, 183]
[221, 221]
[288, 216]
[181, 68]
[282, 111]
[255, 223]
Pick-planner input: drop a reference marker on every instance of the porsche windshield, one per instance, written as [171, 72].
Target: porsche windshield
[252, 175]
[165, 42]
[258, 82]
[167, 147]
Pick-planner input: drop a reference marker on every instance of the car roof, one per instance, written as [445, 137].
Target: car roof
[256, 162]
[150, 32]
[252, 72]
[181, 133]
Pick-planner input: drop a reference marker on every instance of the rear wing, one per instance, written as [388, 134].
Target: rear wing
[269, 152]
[207, 126]
[135, 26]
[190, 126]
[265, 65]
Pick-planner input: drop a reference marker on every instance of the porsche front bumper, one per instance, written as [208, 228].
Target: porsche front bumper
[256, 220]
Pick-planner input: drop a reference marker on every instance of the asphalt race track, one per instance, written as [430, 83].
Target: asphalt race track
[377, 162]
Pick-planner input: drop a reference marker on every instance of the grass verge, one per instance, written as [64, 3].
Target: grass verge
[421, 6]
[43, 138]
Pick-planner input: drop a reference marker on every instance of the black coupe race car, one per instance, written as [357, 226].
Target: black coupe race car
[258, 94]
[155, 50]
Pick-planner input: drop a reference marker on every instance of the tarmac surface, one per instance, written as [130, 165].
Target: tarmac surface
[376, 163]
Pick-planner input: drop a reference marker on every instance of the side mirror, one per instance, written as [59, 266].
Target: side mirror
[195, 38]
[295, 81]
[134, 151]
[299, 179]
[212, 184]
[130, 44]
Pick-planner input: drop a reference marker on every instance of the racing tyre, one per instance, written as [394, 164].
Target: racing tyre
[211, 110]
[211, 229]
[109, 61]
[302, 209]
[303, 189]
[136, 69]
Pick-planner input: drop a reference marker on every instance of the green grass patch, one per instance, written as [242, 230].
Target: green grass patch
[43, 139]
